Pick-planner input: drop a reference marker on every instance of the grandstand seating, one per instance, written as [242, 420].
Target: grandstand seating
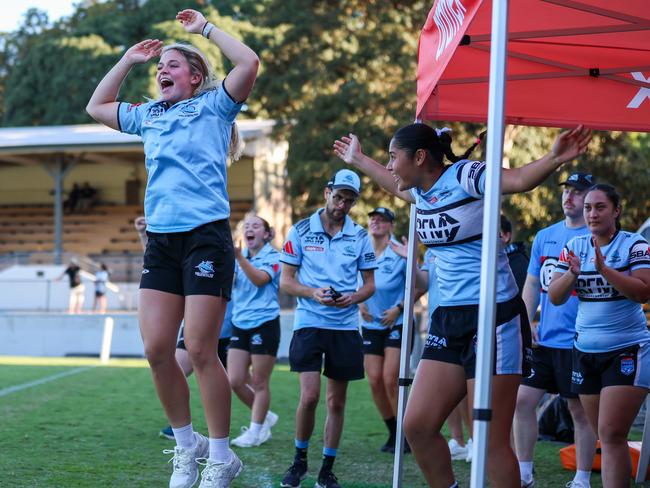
[105, 231]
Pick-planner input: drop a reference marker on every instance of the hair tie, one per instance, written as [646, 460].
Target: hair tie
[439, 132]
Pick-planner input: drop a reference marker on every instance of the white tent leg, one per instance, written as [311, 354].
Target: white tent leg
[644, 456]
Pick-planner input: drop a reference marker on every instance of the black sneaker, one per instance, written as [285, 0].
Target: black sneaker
[389, 446]
[326, 479]
[294, 475]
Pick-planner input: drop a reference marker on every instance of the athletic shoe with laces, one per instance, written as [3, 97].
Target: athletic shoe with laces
[294, 475]
[577, 484]
[248, 439]
[271, 419]
[167, 433]
[457, 451]
[326, 479]
[469, 446]
[185, 469]
[219, 475]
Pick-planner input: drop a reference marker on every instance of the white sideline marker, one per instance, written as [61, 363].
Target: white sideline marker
[13, 389]
[105, 353]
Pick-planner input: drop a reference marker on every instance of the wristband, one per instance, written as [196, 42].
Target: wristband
[400, 307]
[207, 28]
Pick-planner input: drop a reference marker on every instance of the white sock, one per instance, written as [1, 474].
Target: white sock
[220, 450]
[184, 436]
[255, 428]
[582, 477]
[526, 470]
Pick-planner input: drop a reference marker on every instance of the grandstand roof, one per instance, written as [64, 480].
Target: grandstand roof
[17, 144]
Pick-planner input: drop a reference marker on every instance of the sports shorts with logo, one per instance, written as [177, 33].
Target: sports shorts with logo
[592, 371]
[222, 348]
[375, 340]
[263, 339]
[452, 338]
[197, 262]
[338, 352]
[550, 370]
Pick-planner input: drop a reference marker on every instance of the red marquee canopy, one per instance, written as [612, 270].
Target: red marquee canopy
[569, 62]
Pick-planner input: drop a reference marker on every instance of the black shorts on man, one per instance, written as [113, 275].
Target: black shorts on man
[550, 370]
[197, 262]
[263, 339]
[339, 351]
[452, 338]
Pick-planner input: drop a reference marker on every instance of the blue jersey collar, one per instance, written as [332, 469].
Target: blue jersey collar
[266, 248]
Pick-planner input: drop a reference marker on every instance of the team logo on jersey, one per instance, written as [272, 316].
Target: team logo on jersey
[189, 110]
[205, 269]
[394, 334]
[615, 258]
[288, 249]
[627, 365]
[546, 271]
[349, 251]
[256, 340]
[156, 111]
[577, 378]
[433, 199]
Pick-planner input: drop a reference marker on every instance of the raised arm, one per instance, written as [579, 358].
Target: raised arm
[566, 147]
[349, 150]
[257, 276]
[103, 104]
[241, 78]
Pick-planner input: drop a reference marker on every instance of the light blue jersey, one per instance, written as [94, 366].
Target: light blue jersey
[185, 147]
[430, 267]
[325, 261]
[255, 305]
[390, 278]
[450, 220]
[557, 324]
[607, 320]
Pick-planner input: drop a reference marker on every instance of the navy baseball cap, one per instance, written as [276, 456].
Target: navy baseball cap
[384, 212]
[580, 181]
[345, 180]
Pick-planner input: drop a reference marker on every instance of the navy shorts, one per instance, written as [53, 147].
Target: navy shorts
[452, 338]
[550, 371]
[376, 340]
[593, 371]
[263, 339]
[197, 262]
[338, 352]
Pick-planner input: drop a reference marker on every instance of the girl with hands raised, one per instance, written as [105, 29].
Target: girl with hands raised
[189, 133]
[609, 271]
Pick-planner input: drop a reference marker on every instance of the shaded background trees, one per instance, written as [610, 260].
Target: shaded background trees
[328, 68]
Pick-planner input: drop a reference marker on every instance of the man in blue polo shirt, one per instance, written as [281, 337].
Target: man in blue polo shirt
[321, 259]
[551, 363]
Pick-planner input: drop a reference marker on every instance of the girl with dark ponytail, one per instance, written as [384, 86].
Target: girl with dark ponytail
[449, 208]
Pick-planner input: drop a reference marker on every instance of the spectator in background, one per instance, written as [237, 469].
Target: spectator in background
[77, 288]
[73, 198]
[101, 278]
[516, 251]
[86, 197]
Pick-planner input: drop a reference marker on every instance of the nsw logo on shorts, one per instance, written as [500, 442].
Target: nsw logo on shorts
[627, 365]
[205, 269]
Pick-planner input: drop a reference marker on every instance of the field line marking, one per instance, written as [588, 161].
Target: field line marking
[13, 389]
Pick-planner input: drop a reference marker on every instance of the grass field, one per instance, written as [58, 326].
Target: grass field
[97, 426]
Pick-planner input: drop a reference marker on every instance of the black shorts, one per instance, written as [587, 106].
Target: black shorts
[263, 339]
[592, 371]
[376, 340]
[100, 294]
[340, 350]
[222, 348]
[452, 338]
[198, 262]
[550, 370]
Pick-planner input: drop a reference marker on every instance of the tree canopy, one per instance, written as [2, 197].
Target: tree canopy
[328, 68]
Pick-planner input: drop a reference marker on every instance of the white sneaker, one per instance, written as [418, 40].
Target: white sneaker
[577, 484]
[457, 451]
[470, 447]
[528, 484]
[248, 439]
[186, 470]
[271, 419]
[220, 475]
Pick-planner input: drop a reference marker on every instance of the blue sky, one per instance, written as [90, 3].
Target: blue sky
[13, 11]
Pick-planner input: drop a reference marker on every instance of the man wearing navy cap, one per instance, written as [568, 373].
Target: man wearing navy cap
[552, 362]
[321, 258]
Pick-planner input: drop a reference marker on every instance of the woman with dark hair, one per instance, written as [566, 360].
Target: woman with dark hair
[449, 217]
[610, 272]
[256, 328]
[188, 135]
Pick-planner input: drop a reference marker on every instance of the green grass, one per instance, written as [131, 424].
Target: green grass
[99, 428]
